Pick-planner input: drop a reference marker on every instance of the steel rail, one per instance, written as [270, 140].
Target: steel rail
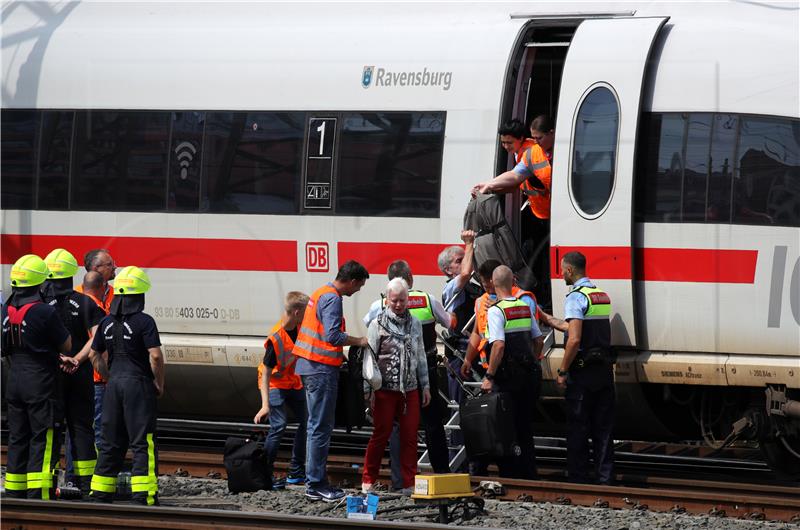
[731, 499]
[32, 514]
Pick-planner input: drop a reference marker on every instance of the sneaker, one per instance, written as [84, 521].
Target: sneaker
[366, 487]
[296, 478]
[279, 483]
[312, 494]
[324, 493]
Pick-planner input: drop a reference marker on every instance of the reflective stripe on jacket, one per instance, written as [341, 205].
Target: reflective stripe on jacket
[311, 343]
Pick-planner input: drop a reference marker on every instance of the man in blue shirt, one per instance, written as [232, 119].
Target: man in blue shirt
[319, 350]
[586, 372]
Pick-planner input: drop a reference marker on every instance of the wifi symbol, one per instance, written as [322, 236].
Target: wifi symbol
[185, 152]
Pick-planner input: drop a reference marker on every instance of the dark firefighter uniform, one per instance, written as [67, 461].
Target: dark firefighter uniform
[129, 404]
[33, 335]
[519, 374]
[590, 385]
[79, 314]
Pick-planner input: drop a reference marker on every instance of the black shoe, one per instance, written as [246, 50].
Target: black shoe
[279, 483]
[324, 493]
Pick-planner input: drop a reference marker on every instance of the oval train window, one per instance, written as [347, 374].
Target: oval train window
[595, 151]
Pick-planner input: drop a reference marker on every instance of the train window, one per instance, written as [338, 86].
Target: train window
[252, 162]
[18, 169]
[766, 187]
[695, 174]
[390, 164]
[54, 160]
[186, 161]
[660, 170]
[723, 146]
[120, 160]
[594, 154]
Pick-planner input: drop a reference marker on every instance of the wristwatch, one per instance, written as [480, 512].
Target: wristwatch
[489, 377]
[561, 373]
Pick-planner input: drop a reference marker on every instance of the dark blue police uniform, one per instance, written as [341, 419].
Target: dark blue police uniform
[129, 407]
[35, 414]
[590, 386]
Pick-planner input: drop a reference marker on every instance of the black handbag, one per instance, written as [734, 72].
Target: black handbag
[487, 422]
[246, 465]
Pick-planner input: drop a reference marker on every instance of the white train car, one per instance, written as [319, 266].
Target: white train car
[239, 151]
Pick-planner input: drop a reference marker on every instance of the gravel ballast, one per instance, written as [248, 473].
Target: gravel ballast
[213, 493]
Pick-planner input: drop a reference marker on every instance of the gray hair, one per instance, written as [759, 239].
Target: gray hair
[397, 286]
[446, 256]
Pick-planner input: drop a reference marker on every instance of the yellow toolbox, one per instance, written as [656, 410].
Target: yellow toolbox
[442, 486]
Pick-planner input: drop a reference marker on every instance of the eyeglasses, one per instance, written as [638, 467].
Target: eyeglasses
[109, 264]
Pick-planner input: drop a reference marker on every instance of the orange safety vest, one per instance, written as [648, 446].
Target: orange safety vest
[482, 306]
[311, 343]
[526, 144]
[96, 377]
[105, 305]
[538, 164]
[282, 376]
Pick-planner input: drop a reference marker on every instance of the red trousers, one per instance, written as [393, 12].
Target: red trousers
[390, 407]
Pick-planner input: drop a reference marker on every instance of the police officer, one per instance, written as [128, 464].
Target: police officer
[127, 353]
[586, 372]
[80, 315]
[514, 367]
[428, 311]
[33, 336]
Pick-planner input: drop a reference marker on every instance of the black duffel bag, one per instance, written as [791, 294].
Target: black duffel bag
[246, 465]
[487, 422]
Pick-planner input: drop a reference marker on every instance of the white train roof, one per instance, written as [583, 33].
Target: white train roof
[740, 57]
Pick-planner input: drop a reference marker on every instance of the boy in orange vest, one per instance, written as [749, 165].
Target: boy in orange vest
[280, 388]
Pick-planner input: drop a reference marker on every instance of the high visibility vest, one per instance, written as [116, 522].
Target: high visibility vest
[482, 326]
[105, 305]
[311, 343]
[419, 305]
[596, 328]
[96, 377]
[526, 144]
[517, 328]
[538, 198]
[482, 319]
[282, 376]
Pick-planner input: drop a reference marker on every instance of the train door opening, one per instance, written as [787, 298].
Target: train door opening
[533, 84]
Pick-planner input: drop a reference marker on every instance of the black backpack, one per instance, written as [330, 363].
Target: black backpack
[495, 240]
[246, 465]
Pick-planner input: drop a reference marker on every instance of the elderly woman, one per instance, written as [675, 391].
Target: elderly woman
[396, 338]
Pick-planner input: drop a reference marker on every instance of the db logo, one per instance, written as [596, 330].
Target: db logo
[317, 257]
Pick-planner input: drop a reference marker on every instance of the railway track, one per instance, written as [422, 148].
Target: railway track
[663, 494]
[35, 515]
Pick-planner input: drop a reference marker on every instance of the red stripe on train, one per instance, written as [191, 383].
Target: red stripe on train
[664, 264]
[163, 252]
[376, 257]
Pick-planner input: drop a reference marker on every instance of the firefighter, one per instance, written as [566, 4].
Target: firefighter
[80, 315]
[282, 389]
[586, 373]
[127, 353]
[35, 339]
[514, 367]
